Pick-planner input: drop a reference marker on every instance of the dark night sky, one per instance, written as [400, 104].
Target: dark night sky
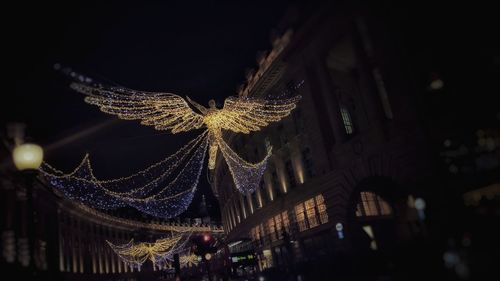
[200, 49]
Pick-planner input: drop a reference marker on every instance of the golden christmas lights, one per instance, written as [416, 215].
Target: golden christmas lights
[167, 111]
[160, 253]
[188, 260]
[156, 190]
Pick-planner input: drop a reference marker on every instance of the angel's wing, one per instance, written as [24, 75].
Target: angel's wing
[247, 114]
[162, 245]
[164, 111]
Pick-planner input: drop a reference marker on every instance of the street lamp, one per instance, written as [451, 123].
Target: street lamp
[420, 206]
[206, 237]
[28, 158]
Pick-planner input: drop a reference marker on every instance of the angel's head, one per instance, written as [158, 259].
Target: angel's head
[211, 103]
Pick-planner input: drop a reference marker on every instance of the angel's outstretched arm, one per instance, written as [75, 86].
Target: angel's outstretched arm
[198, 106]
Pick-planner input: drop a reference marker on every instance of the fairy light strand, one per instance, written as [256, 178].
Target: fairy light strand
[166, 201]
[160, 252]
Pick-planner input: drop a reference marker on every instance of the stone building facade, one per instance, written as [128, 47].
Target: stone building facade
[345, 162]
[69, 239]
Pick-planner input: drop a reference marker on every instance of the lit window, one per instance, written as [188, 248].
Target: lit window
[320, 204]
[347, 120]
[368, 200]
[372, 205]
[300, 217]
[256, 233]
[260, 231]
[272, 229]
[385, 209]
[279, 225]
[252, 234]
[286, 222]
[311, 213]
[306, 213]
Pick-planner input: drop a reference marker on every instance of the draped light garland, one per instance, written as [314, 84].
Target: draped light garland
[147, 190]
[149, 225]
[156, 197]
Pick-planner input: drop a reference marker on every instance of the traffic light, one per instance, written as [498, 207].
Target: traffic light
[204, 244]
[206, 237]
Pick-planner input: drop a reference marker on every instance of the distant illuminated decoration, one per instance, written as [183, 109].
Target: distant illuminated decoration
[188, 260]
[157, 190]
[160, 253]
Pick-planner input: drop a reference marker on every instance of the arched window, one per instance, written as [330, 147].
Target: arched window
[371, 205]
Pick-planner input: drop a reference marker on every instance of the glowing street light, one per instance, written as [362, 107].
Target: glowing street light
[27, 156]
[340, 233]
[420, 206]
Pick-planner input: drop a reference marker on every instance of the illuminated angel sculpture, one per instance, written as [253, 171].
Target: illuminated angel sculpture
[171, 112]
[165, 111]
[160, 253]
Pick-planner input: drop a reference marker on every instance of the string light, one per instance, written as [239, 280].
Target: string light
[167, 111]
[246, 175]
[188, 260]
[159, 253]
[161, 201]
[164, 111]
[163, 227]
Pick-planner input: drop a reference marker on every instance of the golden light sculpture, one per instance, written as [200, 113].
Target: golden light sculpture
[135, 254]
[188, 260]
[165, 111]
